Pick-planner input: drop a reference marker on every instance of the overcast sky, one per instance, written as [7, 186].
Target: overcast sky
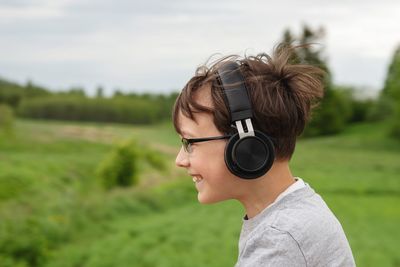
[155, 45]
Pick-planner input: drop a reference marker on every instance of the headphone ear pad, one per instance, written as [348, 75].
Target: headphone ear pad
[249, 157]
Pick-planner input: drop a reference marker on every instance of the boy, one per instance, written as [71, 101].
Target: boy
[239, 120]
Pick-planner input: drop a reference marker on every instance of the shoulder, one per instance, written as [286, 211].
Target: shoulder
[305, 217]
[308, 219]
[312, 226]
[271, 247]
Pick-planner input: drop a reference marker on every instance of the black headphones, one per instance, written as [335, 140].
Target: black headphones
[249, 153]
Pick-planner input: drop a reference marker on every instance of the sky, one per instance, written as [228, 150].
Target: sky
[156, 45]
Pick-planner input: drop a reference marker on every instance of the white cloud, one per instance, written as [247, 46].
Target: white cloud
[158, 44]
[32, 10]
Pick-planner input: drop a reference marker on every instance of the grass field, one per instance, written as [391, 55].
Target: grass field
[54, 213]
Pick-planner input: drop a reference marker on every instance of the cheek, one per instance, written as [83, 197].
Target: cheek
[213, 163]
[215, 151]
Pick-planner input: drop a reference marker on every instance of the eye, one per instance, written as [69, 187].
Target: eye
[185, 144]
[190, 147]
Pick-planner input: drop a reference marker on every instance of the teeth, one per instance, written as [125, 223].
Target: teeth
[196, 179]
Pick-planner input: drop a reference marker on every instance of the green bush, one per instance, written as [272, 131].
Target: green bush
[355, 99]
[395, 128]
[126, 161]
[154, 158]
[331, 116]
[12, 93]
[120, 167]
[390, 96]
[392, 83]
[6, 119]
[23, 243]
[360, 109]
[382, 109]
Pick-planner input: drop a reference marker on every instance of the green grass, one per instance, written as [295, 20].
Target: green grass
[350, 163]
[371, 225]
[54, 213]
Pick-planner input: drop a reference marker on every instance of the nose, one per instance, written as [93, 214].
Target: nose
[182, 159]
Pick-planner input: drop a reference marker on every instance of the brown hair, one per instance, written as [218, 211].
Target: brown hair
[282, 96]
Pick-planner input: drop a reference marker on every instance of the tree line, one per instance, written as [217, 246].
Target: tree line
[31, 101]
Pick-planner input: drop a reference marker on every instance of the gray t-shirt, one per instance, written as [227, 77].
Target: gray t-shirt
[296, 230]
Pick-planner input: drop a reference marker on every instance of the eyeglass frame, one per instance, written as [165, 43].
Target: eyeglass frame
[186, 142]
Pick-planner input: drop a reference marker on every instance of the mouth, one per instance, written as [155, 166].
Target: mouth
[196, 179]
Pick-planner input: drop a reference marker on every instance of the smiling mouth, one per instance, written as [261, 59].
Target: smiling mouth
[197, 179]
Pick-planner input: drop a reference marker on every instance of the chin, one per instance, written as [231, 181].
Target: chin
[204, 199]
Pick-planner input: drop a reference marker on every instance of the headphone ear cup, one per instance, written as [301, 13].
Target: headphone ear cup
[249, 157]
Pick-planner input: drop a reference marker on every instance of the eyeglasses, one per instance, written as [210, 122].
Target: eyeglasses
[186, 143]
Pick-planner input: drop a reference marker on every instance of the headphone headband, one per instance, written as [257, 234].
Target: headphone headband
[249, 154]
[236, 96]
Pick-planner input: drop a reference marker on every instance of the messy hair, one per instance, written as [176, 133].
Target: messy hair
[282, 94]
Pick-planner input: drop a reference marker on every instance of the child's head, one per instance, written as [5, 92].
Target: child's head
[282, 95]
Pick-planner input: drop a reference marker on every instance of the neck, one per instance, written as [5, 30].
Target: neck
[262, 192]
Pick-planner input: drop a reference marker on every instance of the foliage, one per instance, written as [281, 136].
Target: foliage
[392, 82]
[32, 101]
[31, 246]
[6, 119]
[357, 107]
[391, 93]
[154, 158]
[382, 109]
[333, 114]
[123, 109]
[360, 109]
[395, 129]
[12, 93]
[120, 167]
[60, 218]
[329, 117]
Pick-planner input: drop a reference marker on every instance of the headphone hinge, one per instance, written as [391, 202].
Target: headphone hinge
[240, 129]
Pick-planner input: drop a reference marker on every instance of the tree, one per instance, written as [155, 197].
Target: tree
[75, 91]
[391, 93]
[6, 120]
[332, 114]
[392, 82]
[99, 92]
